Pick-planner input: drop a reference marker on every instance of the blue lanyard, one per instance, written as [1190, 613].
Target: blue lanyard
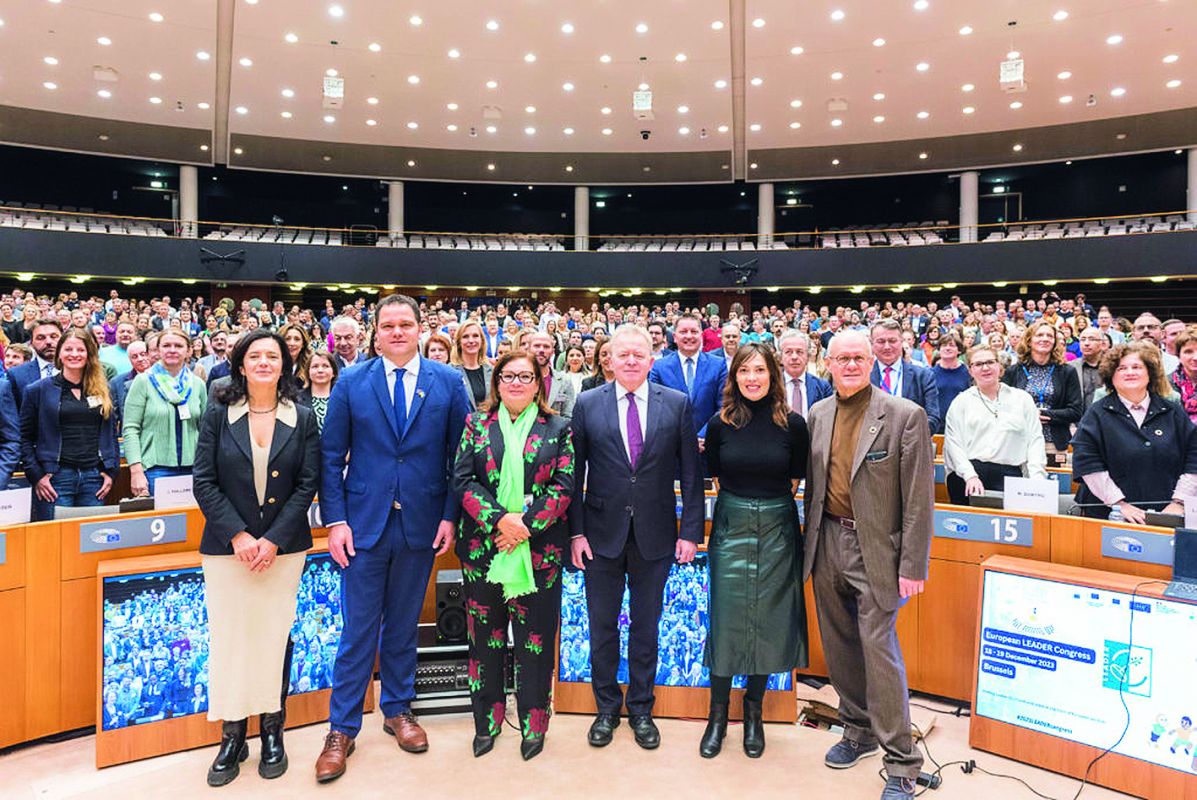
[1041, 392]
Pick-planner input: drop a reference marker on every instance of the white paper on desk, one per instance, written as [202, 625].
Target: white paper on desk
[1190, 512]
[173, 492]
[15, 506]
[1033, 495]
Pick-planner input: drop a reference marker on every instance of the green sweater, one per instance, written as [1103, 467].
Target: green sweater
[149, 425]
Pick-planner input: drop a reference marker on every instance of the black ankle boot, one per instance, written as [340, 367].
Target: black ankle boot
[274, 758]
[233, 750]
[712, 737]
[754, 729]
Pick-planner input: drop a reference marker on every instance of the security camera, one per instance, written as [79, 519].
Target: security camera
[474, 132]
[1092, 101]
[645, 134]
[702, 134]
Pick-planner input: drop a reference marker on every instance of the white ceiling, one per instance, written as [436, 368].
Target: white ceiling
[68, 31]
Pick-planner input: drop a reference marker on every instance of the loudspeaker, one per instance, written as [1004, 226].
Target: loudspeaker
[450, 607]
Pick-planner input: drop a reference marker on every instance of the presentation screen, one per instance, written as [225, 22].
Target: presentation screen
[155, 641]
[681, 636]
[1054, 655]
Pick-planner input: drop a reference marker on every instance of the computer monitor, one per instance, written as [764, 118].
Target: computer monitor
[1184, 555]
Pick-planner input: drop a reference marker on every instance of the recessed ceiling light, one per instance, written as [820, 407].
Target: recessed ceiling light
[492, 84]
[923, 114]
[416, 19]
[291, 38]
[492, 25]
[720, 84]
[606, 59]
[921, 5]
[336, 11]
[104, 93]
[968, 87]
[156, 17]
[722, 129]
[158, 101]
[530, 58]
[837, 122]
[285, 114]
[246, 61]
[530, 109]
[567, 27]
[238, 109]
[968, 110]
[607, 131]
[684, 131]
[837, 76]
[680, 57]
[966, 30]
[454, 53]
[717, 25]
[490, 167]
[605, 110]
[1066, 99]
[1114, 38]
[641, 28]
[411, 126]
[451, 127]
[288, 93]
[879, 96]
[1172, 84]
[1063, 76]
[878, 42]
[922, 66]
[103, 137]
[238, 151]
[795, 126]
[757, 81]
[372, 101]
[1017, 104]
[797, 50]
[569, 167]
[413, 79]
[795, 103]
[879, 119]
[104, 41]
[1060, 15]
[1012, 54]
[750, 166]
[1117, 91]
[1120, 136]
[452, 106]
[1017, 148]
[331, 72]
[203, 106]
[492, 129]
[754, 127]
[374, 47]
[330, 119]
[1171, 58]
[568, 131]
[204, 147]
[923, 156]
[530, 130]
[837, 15]
[202, 55]
[683, 109]
[835, 162]
[51, 60]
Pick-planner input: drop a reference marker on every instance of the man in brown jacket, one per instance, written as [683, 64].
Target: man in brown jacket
[869, 496]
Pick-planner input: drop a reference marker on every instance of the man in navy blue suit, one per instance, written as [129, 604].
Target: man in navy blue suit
[10, 434]
[692, 372]
[899, 377]
[399, 420]
[631, 438]
[803, 389]
[44, 341]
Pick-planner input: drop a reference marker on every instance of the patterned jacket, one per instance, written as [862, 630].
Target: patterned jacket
[548, 479]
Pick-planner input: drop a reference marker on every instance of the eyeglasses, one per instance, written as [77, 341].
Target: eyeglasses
[857, 361]
[984, 364]
[511, 377]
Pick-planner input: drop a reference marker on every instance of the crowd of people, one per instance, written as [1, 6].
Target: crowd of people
[496, 416]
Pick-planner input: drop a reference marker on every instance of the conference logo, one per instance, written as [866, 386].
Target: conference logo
[106, 536]
[1126, 668]
[1033, 624]
[1127, 544]
[955, 525]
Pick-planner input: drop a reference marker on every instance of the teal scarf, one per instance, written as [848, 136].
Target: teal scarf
[513, 571]
[176, 391]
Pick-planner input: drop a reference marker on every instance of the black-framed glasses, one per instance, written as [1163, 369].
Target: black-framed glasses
[511, 377]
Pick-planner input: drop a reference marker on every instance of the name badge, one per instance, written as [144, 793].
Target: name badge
[93, 401]
[184, 412]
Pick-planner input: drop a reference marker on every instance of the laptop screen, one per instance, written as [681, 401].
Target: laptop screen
[1184, 555]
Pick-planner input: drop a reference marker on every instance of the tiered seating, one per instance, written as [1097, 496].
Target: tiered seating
[33, 216]
[699, 243]
[893, 234]
[461, 241]
[1109, 226]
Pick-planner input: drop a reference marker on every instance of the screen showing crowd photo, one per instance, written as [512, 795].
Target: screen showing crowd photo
[156, 642]
[681, 636]
[1054, 657]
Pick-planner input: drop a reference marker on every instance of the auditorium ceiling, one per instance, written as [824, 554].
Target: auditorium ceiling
[537, 90]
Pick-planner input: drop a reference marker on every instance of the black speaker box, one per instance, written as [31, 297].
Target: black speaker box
[450, 607]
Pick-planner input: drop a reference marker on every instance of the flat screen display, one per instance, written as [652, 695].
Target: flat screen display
[1054, 655]
[155, 641]
[681, 636]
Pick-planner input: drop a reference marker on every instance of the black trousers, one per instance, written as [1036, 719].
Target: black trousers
[992, 475]
[605, 581]
[533, 618]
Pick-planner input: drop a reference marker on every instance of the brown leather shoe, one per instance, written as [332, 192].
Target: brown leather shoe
[331, 763]
[407, 732]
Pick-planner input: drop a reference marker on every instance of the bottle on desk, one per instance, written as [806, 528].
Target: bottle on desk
[1116, 515]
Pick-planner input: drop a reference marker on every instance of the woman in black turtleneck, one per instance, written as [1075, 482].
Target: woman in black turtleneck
[756, 449]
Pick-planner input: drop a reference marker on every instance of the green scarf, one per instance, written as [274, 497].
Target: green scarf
[513, 571]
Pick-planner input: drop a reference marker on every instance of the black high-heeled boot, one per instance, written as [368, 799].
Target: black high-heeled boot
[754, 729]
[712, 737]
[233, 750]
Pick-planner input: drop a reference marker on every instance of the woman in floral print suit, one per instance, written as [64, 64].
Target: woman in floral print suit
[514, 474]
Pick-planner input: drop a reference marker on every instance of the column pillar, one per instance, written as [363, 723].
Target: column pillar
[395, 207]
[188, 202]
[1191, 203]
[968, 206]
[764, 216]
[581, 218]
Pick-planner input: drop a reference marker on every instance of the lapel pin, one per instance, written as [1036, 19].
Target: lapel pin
[1159, 432]
[420, 393]
[873, 429]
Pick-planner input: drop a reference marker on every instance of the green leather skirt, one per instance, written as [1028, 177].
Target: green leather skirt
[758, 610]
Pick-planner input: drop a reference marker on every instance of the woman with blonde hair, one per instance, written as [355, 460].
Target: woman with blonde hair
[469, 358]
[1055, 388]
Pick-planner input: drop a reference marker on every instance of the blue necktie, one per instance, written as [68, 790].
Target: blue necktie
[690, 376]
[400, 402]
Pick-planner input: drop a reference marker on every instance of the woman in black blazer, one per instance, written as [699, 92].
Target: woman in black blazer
[1052, 384]
[257, 468]
[604, 374]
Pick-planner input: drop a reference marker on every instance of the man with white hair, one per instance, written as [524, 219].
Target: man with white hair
[631, 438]
[347, 341]
[803, 390]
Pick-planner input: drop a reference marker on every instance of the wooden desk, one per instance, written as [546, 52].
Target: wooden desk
[13, 619]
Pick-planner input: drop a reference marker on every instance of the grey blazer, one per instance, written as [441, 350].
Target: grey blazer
[562, 395]
[487, 369]
[893, 493]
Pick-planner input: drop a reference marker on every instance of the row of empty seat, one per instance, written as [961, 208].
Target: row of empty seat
[426, 241]
[686, 244]
[31, 216]
[890, 234]
[1114, 226]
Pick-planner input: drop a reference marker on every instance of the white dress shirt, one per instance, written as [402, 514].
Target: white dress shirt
[44, 368]
[895, 377]
[800, 381]
[1013, 437]
[409, 379]
[621, 402]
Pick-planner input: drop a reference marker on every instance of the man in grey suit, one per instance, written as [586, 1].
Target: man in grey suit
[559, 389]
[869, 497]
